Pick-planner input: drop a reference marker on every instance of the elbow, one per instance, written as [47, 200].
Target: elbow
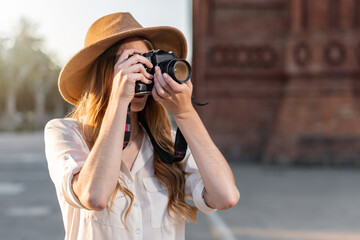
[234, 199]
[91, 198]
[95, 202]
[230, 200]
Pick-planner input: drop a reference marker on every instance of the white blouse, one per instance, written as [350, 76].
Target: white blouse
[66, 152]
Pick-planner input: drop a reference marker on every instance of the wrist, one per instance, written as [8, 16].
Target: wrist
[122, 98]
[115, 117]
[185, 114]
[124, 102]
[116, 107]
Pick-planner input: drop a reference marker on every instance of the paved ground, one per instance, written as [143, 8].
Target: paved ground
[296, 203]
[276, 202]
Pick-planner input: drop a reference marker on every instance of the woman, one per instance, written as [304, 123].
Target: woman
[105, 191]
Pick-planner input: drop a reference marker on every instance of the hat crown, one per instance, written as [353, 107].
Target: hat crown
[110, 25]
[103, 34]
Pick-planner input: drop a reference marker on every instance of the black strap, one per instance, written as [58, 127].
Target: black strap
[180, 146]
[180, 142]
[127, 128]
[196, 102]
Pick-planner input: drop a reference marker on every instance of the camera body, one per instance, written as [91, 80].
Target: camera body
[178, 69]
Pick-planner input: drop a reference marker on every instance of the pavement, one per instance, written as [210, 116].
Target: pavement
[301, 203]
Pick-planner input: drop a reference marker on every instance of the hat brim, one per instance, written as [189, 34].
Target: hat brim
[75, 73]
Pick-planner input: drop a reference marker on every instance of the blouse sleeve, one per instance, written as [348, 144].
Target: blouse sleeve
[194, 185]
[66, 152]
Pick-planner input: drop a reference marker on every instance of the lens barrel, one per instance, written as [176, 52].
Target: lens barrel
[178, 69]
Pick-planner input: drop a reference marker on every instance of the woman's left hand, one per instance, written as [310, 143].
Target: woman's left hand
[174, 96]
[220, 192]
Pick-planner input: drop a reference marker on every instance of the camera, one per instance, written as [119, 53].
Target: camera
[178, 69]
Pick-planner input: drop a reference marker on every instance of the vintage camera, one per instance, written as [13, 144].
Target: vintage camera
[178, 69]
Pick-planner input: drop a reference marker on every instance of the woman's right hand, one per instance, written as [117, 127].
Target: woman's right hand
[127, 71]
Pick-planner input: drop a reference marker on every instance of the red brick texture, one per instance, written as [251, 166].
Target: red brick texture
[282, 78]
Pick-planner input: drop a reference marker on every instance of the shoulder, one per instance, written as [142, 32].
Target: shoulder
[62, 123]
[62, 128]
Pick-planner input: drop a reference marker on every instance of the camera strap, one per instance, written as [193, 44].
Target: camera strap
[180, 145]
[127, 128]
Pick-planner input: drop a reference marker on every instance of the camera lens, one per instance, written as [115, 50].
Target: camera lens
[181, 71]
[178, 69]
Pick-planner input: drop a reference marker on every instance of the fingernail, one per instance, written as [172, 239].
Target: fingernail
[151, 76]
[157, 68]
[165, 75]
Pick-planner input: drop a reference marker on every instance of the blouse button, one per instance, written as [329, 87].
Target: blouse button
[129, 181]
[66, 157]
[138, 231]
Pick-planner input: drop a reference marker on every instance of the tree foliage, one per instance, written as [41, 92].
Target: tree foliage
[24, 64]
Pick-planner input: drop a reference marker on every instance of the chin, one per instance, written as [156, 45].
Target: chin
[135, 109]
[138, 104]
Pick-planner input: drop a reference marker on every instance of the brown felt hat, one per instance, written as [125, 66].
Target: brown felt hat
[102, 34]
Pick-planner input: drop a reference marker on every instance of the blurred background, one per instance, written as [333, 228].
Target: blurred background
[282, 79]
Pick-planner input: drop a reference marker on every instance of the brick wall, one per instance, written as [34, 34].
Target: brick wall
[281, 78]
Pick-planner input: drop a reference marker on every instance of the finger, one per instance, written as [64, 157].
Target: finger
[123, 60]
[139, 59]
[160, 90]
[161, 80]
[189, 83]
[134, 77]
[126, 53]
[175, 86]
[155, 95]
[138, 68]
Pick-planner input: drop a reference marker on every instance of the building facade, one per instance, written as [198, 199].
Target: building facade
[282, 78]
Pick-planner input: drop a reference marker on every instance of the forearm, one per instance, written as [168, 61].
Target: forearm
[95, 183]
[220, 188]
